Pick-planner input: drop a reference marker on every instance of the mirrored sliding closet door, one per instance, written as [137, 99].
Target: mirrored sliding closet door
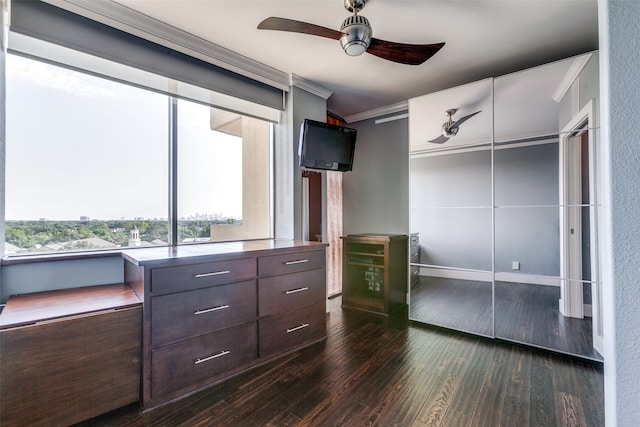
[451, 209]
[505, 211]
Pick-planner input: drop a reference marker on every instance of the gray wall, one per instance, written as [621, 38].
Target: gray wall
[619, 95]
[287, 174]
[376, 191]
[47, 276]
[526, 176]
[451, 208]
[527, 217]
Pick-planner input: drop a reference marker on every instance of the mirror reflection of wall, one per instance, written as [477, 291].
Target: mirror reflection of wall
[506, 225]
[451, 210]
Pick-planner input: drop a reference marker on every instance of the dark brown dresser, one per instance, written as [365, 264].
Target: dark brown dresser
[212, 311]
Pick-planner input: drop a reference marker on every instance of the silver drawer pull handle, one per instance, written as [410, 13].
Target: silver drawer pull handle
[215, 273]
[297, 328]
[295, 291]
[209, 310]
[299, 261]
[215, 356]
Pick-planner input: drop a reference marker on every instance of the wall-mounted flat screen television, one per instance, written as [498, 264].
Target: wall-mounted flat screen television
[325, 146]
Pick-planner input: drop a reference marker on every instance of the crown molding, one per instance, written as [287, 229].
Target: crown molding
[309, 86]
[377, 112]
[391, 118]
[571, 75]
[123, 18]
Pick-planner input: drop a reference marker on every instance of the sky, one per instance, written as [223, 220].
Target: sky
[78, 145]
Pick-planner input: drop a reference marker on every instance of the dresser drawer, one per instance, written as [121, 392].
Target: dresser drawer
[176, 279]
[278, 294]
[292, 329]
[290, 263]
[198, 361]
[183, 315]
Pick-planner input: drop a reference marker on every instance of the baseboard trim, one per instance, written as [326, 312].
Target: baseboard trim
[487, 276]
[477, 275]
[528, 278]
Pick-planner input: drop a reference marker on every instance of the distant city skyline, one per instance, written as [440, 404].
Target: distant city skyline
[195, 217]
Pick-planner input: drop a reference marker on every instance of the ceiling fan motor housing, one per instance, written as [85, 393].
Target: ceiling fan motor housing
[449, 131]
[356, 35]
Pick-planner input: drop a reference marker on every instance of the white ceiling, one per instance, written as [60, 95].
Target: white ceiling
[484, 38]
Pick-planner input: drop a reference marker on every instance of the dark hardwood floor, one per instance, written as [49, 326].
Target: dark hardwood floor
[464, 305]
[389, 372]
[530, 314]
[524, 313]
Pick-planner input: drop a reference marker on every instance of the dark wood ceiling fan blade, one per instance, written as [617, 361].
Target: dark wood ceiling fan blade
[439, 140]
[284, 24]
[410, 54]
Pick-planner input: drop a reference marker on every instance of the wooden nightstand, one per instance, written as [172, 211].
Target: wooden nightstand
[375, 272]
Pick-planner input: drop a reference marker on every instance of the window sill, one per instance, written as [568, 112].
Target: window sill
[106, 253]
[67, 256]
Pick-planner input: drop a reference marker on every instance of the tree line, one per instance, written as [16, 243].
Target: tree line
[32, 234]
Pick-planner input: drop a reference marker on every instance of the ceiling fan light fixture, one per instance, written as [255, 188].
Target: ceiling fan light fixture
[356, 35]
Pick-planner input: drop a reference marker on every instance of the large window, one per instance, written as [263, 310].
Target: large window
[88, 165]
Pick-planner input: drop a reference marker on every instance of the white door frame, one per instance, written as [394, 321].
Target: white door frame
[571, 300]
[571, 293]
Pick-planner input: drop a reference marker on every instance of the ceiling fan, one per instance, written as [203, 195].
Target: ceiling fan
[355, 37]
[450, 128]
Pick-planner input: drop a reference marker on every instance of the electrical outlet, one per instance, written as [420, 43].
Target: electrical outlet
[515, 265]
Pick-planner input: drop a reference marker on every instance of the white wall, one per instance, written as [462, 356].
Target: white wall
[619, 23]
